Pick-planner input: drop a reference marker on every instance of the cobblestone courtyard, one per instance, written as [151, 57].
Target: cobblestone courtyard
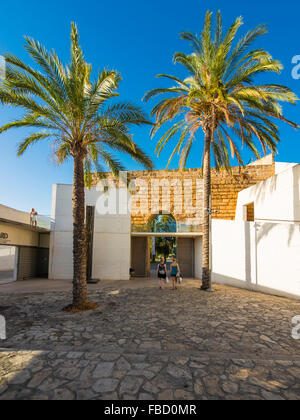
[146, 344]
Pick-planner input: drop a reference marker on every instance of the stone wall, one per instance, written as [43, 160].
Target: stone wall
[185, 189]
[225, 187]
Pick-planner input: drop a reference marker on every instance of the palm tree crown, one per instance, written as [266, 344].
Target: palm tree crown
[220, 95]
[221, 98]
[67, 107]
[64, 105]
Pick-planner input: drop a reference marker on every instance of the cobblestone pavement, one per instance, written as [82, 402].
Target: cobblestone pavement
[147, 344]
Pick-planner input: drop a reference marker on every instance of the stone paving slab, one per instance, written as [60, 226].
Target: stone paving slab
[88, 375]
[148, 344]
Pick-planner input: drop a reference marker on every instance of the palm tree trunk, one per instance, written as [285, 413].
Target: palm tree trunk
[206, 274]
[79, 236]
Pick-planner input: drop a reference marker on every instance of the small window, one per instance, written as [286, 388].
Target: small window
[250, 214]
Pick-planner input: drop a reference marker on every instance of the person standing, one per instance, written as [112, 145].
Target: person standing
[35, 218]
[32, 213]
[161, 273]
[175, 273]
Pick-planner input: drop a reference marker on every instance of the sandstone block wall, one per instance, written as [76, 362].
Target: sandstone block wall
[180, 193]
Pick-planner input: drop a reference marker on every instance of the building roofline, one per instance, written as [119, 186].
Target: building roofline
[24, 226]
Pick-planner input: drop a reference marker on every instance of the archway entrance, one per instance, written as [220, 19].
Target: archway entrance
[163, 246]
[162, 240]
[183, 249]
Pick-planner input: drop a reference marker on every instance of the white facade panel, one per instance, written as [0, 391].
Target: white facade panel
[257, 256]
[276, 199]
[111, 255]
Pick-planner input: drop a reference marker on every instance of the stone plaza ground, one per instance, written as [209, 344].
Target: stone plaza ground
[143, 343]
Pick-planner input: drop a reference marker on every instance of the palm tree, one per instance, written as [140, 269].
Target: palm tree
[64, 105]
[221, 98]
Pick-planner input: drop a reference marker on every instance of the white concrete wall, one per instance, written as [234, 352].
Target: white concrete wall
[111, 256]
[228, 251]
[266, 160]
[278, 257]
[8, 264]
[198, 257]
[283, 166]
[7, 258]
[257, 256]
[275, 200]
[61, 257]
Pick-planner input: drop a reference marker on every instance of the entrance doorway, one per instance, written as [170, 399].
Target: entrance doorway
[144, 261]
[162, 246]
[163, 240]
[32, 262]
[180, 248]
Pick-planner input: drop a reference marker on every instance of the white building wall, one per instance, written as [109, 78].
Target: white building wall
[7, 258]
[8, 264]
[276, 199]
[111, 256]
[266, 160]
[61, 257]
[278, 257]
[257, 256]
[228, 252]
[283, 166]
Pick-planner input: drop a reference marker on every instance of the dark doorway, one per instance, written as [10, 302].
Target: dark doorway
[32, 262]
[42, 262]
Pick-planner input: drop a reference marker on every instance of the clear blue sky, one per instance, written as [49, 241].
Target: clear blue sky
[138, 38]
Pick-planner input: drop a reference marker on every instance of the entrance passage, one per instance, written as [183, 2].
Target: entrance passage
[185, 256]
[146, 252]
[162, 247]
[32, 262]
[139, 260]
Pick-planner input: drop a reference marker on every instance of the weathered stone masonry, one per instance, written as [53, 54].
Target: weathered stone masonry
[225, 189]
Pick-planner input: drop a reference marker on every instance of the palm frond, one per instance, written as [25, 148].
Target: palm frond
[72, 109]
[220, 96]
[33, 138]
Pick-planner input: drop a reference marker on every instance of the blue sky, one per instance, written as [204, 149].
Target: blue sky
[138, 38]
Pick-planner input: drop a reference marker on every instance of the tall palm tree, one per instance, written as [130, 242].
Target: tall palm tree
[71, 110]
[221, 98]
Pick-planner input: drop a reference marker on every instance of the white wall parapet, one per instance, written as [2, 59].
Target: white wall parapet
[275, 200]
